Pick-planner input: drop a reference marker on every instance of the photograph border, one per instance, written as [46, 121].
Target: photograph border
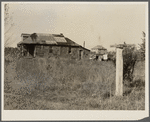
[9, 115]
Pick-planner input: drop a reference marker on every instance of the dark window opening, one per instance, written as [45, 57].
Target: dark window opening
[69, 51]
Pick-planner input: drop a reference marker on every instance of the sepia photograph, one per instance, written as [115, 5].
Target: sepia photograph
[87, 58]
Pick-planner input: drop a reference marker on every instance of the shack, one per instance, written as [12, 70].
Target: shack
[48, 45]
[99, 52]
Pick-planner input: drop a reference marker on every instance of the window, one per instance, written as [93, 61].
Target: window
[69, 50]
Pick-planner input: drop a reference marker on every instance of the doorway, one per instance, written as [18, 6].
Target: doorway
[80, 54]
[31, 49]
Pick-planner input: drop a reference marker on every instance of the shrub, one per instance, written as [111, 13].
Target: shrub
[11, 54]
[11, 51]
[142, 47]
[112, 56]
[129, 60]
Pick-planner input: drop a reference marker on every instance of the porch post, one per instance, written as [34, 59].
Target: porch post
[34, 51]
[28, 51]
[22, 50]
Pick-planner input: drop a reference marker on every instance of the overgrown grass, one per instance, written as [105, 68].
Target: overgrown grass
[62, 84]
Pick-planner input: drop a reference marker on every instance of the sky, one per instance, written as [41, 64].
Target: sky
[95, 23]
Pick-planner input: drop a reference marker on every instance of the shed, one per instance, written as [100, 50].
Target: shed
[99, 49]
[99, 52]
[47, 45]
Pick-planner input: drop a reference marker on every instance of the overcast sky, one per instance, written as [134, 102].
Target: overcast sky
[95, 23]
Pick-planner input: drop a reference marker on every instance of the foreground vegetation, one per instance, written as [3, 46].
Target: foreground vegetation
[61, 84]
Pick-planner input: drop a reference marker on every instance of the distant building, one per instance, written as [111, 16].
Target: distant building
[47, 45]
[99, 52]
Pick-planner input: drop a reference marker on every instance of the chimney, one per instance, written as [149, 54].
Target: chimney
[61, 34]
[84, 44]
[24, 36]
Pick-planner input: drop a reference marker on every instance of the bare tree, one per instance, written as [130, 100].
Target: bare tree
[8, 26]
[142, 46]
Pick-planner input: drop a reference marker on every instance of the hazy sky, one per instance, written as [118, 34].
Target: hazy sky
[94, 23]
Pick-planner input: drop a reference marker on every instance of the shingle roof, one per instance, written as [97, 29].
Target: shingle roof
[25, 34]
[99, 47]
[42, 38]
[60, 39]
[71, 43]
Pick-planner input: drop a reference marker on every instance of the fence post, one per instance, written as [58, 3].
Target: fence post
[119, 67]
[119, 72]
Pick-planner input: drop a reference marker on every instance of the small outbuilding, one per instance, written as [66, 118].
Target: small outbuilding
[48, 45]
[99, 52]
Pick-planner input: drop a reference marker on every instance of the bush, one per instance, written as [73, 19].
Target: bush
[129, 60]
[142, 47]
[112, 56]
[11, 54]
[11, 51]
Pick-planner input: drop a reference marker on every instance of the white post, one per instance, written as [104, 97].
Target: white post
[34, 51]
[28, 51]
[22, 52]
[119, 72]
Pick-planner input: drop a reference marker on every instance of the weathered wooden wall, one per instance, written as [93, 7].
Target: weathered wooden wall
[61, 51]
[64, 51]
[74, 53]
[86, 54]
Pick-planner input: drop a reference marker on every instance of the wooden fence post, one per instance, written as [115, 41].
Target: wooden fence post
[119, 67]
[119, 72]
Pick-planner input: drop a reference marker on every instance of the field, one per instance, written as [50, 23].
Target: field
[61, 84]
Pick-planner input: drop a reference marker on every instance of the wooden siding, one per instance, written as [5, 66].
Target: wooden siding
[60, 51]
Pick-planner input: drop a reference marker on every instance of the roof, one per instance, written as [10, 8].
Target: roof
[60, 39]
[25, 34]
[99, 47]
[85, 48]
[41, 38]
[52, 39]
[71, 43]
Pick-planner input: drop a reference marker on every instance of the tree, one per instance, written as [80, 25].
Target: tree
[129, 60]
[142, 46]
[8, 25]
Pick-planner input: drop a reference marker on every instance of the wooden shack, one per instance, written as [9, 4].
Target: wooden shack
[98, 52]
[49, 45]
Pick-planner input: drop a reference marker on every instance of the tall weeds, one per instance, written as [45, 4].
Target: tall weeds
[57, 83]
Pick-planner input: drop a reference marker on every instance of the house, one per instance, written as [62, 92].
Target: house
[99, 52]
[48, 45]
